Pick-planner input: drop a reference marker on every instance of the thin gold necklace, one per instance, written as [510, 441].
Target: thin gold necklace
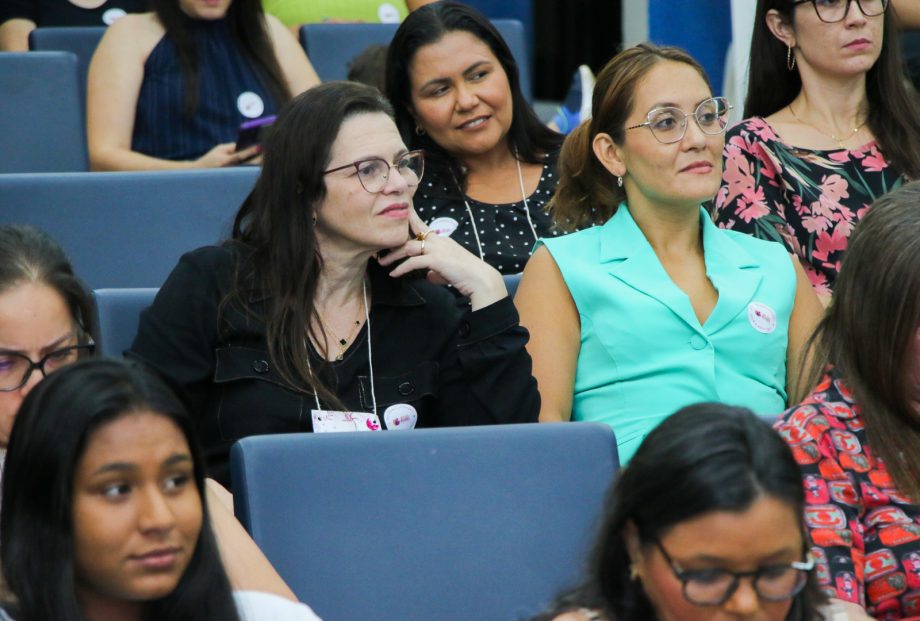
[839, 141]
[343, 342]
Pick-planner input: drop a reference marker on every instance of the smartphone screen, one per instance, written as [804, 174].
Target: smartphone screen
[253, 132]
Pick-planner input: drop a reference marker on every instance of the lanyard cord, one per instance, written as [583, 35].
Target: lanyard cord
[469, 211]
[370, 356]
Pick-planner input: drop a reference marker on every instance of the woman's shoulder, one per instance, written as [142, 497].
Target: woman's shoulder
[136, 32]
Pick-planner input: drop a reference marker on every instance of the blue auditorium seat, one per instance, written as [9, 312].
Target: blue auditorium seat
[128, 229]
[82, 41]
[484, 523]
[41, 114]
[118, 313]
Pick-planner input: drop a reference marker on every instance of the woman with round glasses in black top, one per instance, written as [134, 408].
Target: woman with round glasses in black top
[301, 322]
[831, 125]
[47, 317]
[705, 524]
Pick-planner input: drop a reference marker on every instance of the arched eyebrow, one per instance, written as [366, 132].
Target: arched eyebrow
[439, 81]
[671, 104]
[124, 466]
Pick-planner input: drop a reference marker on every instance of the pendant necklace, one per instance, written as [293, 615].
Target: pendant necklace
[839, 141]
[343, 342]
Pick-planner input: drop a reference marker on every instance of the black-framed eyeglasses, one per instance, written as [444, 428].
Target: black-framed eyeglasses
[714, 587]
[373, 173]
[670, 124]
[16, 369]
[831, 11]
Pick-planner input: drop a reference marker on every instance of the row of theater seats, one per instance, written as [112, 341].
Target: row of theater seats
[42, 118]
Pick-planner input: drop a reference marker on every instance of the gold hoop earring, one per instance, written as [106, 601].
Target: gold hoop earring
[790, 58]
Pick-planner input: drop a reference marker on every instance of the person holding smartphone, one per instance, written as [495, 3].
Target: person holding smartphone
[170, 89]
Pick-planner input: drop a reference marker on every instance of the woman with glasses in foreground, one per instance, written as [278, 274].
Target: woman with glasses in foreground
[47, 317]
[704, 524]
[656, 308]
[302, 320]
[856, 436]
[832, 124]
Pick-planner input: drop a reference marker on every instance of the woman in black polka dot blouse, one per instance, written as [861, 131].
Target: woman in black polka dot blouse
[491, 163]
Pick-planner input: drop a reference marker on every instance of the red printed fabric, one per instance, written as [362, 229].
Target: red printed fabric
[864, 534]
[809, 200]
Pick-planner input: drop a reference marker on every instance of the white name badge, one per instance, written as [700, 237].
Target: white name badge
[250, 105]
[325, 421]
[400, 417]
[443, 226]
[112, 15]
[388, 14]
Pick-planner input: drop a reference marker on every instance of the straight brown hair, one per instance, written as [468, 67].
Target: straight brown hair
[870, 327]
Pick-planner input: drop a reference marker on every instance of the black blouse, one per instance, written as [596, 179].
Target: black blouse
[505, 236]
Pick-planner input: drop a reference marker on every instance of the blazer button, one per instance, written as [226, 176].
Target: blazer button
[405, 389]
[260, 366]
[698, 342]
[464, 329]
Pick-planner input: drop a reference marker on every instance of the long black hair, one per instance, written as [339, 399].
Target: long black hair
[528, 136]
[275, 227]
[894, 114]
[706, 457]
[29, 255]
[250, 34]
[53, 427]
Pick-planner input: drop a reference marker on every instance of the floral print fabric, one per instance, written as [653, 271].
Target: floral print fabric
[863, 533]
[809, 200]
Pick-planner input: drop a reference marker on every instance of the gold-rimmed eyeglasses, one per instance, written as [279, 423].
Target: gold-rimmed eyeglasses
[669, 124]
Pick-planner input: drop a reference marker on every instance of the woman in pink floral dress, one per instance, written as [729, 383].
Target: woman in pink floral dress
[830, 127]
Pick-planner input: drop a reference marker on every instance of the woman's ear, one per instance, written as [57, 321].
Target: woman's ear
[780, 27]
[633, 546]
[609, 154]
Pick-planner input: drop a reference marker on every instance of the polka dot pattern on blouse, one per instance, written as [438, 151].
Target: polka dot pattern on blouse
[506, 237]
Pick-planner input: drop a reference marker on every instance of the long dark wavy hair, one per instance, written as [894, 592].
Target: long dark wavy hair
[894, 113]
[250, 34]
[51, 432]
[29, 255]
[528, 136]
[587, 193]
[869, 330]
[704, 458]
[275, 227]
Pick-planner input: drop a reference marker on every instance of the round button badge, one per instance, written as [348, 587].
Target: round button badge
[112, 15]
[761, 317]
[443, 226]
[250, 105]
[387, 13]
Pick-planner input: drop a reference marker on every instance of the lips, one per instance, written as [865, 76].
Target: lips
[161, 559]
[474, 123]
[858, 43]
[396, 210]
[700, 167]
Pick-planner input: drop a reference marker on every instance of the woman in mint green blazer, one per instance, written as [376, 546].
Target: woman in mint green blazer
[656, 308]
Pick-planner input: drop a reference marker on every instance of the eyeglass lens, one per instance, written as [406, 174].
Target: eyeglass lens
[776, 583]
[374, 173]
[836, 10]
[670, 124]
[15, 369]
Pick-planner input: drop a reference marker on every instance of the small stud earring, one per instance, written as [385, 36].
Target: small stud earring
[633, 572]
[619, 181]
[419, 130]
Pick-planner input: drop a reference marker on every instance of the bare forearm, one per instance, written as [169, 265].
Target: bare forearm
[14, 35]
